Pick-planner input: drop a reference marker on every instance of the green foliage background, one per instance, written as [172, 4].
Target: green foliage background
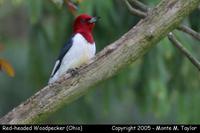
[162, 87]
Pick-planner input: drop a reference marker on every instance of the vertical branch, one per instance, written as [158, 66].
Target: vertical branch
[140, 5]
[177, 44]
[134, 11]
[189, 31]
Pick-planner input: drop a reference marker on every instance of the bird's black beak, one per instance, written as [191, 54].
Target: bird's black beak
[94, 19]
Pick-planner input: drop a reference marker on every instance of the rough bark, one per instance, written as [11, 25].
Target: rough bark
[141, 38]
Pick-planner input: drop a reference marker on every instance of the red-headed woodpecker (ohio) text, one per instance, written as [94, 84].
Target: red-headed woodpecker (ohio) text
[79, 49]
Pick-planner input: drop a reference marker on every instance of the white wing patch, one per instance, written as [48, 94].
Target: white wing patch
[57, 62]
[80, 52]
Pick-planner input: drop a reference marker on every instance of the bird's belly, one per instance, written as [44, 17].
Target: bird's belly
[77, 57]
[83, 58]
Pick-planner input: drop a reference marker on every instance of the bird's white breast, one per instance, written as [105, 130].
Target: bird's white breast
[80, 52]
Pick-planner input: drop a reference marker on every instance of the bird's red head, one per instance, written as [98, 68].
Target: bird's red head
[84, 25]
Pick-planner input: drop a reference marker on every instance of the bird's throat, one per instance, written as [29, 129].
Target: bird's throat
[87, 35]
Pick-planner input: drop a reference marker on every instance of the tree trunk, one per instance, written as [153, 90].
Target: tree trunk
[141, 38]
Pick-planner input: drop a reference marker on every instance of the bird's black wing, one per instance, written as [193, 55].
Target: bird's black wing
[63, 51]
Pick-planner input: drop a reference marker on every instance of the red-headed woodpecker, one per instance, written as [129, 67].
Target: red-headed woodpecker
[79, 49]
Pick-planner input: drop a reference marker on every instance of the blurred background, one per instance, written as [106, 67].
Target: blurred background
[161, 87]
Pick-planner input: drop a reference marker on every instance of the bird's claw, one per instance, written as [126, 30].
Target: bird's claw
[73, 71]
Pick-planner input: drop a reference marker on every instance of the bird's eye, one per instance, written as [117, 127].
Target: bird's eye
[83, 21]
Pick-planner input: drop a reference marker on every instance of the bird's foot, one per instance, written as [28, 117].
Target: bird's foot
[73, 71]
[50, 84]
